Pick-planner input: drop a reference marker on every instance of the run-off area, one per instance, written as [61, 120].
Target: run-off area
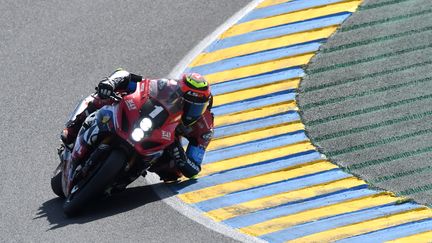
[366, 100]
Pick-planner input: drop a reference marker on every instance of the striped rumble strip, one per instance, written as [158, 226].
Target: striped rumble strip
[261, 174]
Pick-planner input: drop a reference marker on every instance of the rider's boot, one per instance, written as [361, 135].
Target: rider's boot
[70, 132]
[88, 106]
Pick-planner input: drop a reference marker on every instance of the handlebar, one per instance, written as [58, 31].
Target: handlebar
[115, 96]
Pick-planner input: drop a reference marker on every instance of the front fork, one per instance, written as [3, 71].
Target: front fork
[64, 154]
[73, 171]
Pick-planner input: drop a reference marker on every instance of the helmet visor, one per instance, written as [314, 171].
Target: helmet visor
[192, 112]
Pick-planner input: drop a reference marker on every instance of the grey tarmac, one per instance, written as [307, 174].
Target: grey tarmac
[53, 53]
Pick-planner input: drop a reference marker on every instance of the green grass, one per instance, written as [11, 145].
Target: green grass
[368, 110]
[379, 142]
[402, 174]
[403, 155]
[373, 126]
[381, 4]
[368, 76]
[416, 190]
[365, 93]
[383, 21]
[377, 40]
[367, 59]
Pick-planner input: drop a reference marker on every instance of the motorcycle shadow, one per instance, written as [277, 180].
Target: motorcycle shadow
[127, 200]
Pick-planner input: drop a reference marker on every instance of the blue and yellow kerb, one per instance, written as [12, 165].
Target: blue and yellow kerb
[262, 175]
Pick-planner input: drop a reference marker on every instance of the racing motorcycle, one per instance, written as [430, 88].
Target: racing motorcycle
[130, 136]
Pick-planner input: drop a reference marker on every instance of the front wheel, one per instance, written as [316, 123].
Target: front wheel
[56, 184]
[96, 183]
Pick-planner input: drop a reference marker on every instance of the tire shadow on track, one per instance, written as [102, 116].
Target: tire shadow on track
[127, 200]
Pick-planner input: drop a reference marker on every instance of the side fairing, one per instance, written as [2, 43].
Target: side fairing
[105, 119]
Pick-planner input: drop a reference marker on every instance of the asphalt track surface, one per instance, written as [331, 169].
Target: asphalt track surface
[366, 98]
[52, 53]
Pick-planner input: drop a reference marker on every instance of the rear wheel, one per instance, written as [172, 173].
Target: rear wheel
[96, 183]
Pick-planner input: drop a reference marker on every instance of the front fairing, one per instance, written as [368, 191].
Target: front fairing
[148, 102]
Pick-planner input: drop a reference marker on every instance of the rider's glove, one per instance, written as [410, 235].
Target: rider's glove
[186, 166]
[105, 88]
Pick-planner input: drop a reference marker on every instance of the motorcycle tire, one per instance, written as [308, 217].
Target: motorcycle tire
[98, 181]
[56, 184]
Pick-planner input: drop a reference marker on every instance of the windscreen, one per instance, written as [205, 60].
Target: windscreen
[168, 93]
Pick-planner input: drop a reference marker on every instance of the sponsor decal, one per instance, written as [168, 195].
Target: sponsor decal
[157, 110]
[162, 83]
[131, 105]
[109, 111]
[196, 76]
[74, 189]
[196, 153]
[207, 136]
[105, 119]
[194, 94]
[166, 135]
[142, 86]
[200, 125]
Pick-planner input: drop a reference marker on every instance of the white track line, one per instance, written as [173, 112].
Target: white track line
[163, 191]
[181, 66]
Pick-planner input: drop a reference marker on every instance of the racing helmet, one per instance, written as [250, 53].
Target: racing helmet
[196, 96]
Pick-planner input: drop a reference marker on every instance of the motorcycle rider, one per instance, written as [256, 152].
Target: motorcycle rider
[196, 122]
